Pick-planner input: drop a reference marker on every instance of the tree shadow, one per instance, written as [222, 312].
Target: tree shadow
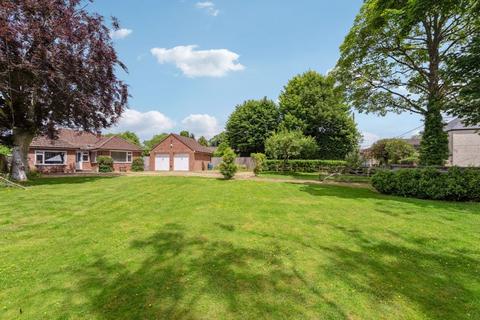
[386, 202]
[66, 180]
[443, 285]
[188, 277]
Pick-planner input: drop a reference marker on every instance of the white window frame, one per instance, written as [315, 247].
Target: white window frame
[94, 156]
[87, 154]
[42, 152]
[128, 154]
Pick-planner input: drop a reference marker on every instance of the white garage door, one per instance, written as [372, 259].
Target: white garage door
[162, 162]
[180, 162]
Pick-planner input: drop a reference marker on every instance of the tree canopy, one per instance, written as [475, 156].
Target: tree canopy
[203, 141]
[394, 59]
[185, 133]
[311, 103]
[391, 151]
[57, 69]
[285, 145]
[127, 135]
[251, 124]
[156, 139]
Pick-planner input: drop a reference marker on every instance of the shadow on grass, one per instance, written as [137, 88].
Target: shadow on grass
[386, 202]
[66, 180]
[187, 277]
[442, 284]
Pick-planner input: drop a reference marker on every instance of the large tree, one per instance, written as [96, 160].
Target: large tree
[395, 59]
[251, 124]
[311, 103]
[465, 68]
[57, 69]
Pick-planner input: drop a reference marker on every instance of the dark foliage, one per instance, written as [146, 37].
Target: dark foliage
[305, 165]
[105, 164]
[430, 183]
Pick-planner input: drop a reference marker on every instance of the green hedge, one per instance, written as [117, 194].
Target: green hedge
[138, 165]
[456, 184]
[105, 164]
[305, 165]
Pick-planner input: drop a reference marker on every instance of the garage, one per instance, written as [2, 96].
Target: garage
[179, 153]
[162, 162]
[181, 162]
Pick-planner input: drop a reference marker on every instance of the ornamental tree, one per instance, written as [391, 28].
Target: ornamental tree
[394, 59]
[57, 69]
[286, 145]
[251, 124]
[311, 103]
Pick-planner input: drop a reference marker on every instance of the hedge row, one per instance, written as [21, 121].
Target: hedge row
[429, 183]
[304, 165]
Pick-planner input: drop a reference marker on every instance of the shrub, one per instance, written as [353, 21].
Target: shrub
[33, 174]
[430, 183]
[305, 165]
[259, 159]
[105, 164]
[354, 159]
[137, 164]
[227, 166]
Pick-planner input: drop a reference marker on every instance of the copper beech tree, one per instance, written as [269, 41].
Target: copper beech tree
[57, 69]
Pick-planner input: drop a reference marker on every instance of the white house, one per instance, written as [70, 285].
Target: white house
[464, 144]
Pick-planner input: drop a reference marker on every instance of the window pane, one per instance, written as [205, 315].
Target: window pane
[54, 157]
[118, 156]
[94, 157]
[85, 156]
[129, 157]
[39, 158]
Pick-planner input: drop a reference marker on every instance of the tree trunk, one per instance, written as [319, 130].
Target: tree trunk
[434, 144]
[21, 142]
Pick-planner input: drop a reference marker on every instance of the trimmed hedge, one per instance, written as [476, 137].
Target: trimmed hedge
[456, 184]
[305, 165]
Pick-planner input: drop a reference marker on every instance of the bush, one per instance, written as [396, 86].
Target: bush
[33, 174]
[105, 164]
[137, 164]
[354, 159]
[259, 159]
[430, 183]
[227, 166]
[305, 165]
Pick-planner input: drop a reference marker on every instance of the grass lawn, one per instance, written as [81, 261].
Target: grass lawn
[196, 248]
[314, 176]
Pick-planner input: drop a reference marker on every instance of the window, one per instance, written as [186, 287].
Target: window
[94, 156]
[85, 156]
[50, 157]
[121, 156]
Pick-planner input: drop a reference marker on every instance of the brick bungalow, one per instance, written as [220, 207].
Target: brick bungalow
[179, 153]
[76, 151]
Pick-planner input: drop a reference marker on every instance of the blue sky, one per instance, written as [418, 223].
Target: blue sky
[191, 62]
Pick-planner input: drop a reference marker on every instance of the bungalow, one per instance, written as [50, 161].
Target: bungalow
[179, 153]
[75, 151]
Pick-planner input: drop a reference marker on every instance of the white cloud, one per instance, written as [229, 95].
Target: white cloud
[209, 7]
[202, 125]
[145, 124]
[120, 33]
[369, 139]
[199, 63]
